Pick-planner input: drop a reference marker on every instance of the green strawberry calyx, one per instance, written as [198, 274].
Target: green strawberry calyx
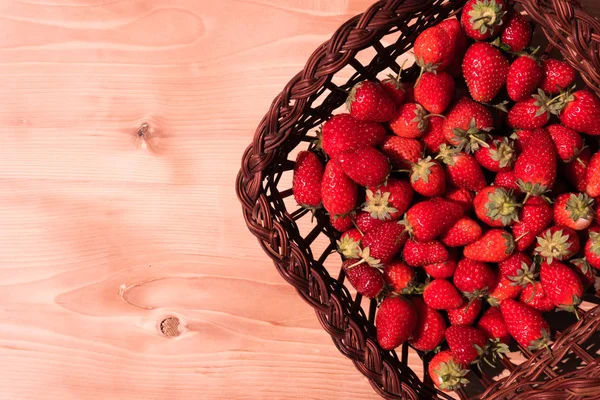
[352, 95]
[447, 154]
[486, 15]
[542, 342]
[348, 247]
[580, 206]
[509, 242]
[595, 239]
[525, 275]
[422, 169]
[365, 257]
[420, 118]
[575, 301]
[471, 139]
[553, 245]
[502, 205]
[378, 205]
[504, 153]
[452, 375]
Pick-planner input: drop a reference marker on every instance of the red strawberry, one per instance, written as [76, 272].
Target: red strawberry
[521, 137]
[402, 152]
[557, 243]
[483, 19]
[441, 270]
[474, 278]
[585, 271]
[517, 32]
[466, 343]
[525, 324]
[434, 137]
[428, 219]
[339, 193]
[389, 201]
[433, 50]
[529, 114]
[592, 250]
[399, 276]
[574, 210]
[434, 91]
[467, 314]
[442, 295]
[349, 244]
[462, 169]
[505, 289]
[496, 206]
[446, 372]
[395, 322]
[515, 266]
[492, 324]
[410, 121]
[534, 296]
[582, 112]
[341, 224]
[367, 166]
[428, 178]
[366, 279]
[575, 171]
[495, 246]
[366, 223]
[535, 168]
[385, 241]
[394, 89]
[342, 132]
[592, 176]
[369, 101]
[535, 216]
[524, 78]
[464, 232]
[507, 180]
[562, 285]
[467, 125]
[430, 329]
[485, 70]
[567, 142]
[459, 42]
[417, 254]
[500, 156]
[462, 196]
[306, 184]
[558, 75]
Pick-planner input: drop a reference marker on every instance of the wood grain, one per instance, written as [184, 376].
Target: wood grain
[109, 229]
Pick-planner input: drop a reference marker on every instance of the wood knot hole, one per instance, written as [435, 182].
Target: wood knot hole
[143, 129]
[170, 326]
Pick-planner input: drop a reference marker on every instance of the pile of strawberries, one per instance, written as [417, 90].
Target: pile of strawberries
[467, 199]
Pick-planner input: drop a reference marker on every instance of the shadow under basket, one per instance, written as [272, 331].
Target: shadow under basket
[383, 33]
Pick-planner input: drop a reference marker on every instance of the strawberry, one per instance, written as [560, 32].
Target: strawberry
[367, 166]
[525, 324]
[558, 75]
[395, 322]
[585, 272]
[592, 176]
[466, 343]
[485, 70]
[534, 296]
[517, 32]
[366, 223]
[419, 254]
[462, 169]
[385, 241]
[507, 180]
[474, 278]
[575, 171]
[492, 324]
[461, 196]
[521, 137]
[402, 152]
[434, 137]
[399, 276]
[306, 183]
[428, 219]
[592, 250]
[567, 142]
[434, 91]
[500, 156]
[505, 289]
[395, 89]
[339, 193]
[446, 372]
[535, 216]
[430, 329]
[535, 168]
[532, 113]
[582, 112]
[389, 201]
[467, 314]
[557, 243]
[515, 266]
[369, 101]
[467, 125]
[343, 132]
[410, 121]
[443, 270]
[409, 92]
[459, 43]
[464, 232]
[562, 285]
[524, 78]
[483, 19]
[442, 295]
[496, 206]
[341, 224]
[349, 244]
[495, 246]
[366, 279]
[574, 210]
[433, 50]
[428, 178]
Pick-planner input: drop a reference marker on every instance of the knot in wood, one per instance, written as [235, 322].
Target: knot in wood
[170, 327]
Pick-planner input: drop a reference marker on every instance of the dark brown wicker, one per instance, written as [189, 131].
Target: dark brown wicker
[292, 118]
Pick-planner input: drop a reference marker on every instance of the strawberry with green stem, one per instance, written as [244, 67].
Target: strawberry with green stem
[343, 132]
[306, 182]
[400, 277]
[562, 285]
[467, 314]
[434, 91]
[485, 70]
[402, 152]
[364, 276]
[483, 19]
[525, 324]
[475, 279]
[500, 156]
[557, 243]
[535, 216]
[580, 111]
[440, 294]
[467, 344]
[369, 101]
[592, 176]
[533, 112]
[592, 250]
[428, 178]
[388, 201]
[443, 270]
[464, 232]
[536, 167]
[430, 329]
[558, 76]
[467, 125]
[446, 372]
[427, 220]
[419, 254]
[496, 206]
[349, 244]
[462, 169]
[411, 121]
[394, 88]
[534, 296]
[524, 77]
[338, 192]
[567, 142]
[574, 210]
[385, 241]
[495, 246]
[492, 324]
[517, 32]
[395, 321]
[433, 49]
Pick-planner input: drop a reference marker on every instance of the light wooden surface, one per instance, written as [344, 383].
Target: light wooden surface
[104, 233]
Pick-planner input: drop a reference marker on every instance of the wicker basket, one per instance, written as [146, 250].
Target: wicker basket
[290, 122]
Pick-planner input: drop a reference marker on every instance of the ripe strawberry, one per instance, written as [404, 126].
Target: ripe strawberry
[410, 121]
[466, 343]
[385, 241]
[534, 296]
[492, 324]
[535, 168]
[434, 91]
[585, 272]
[467, 314]
[428, 178]
[428, 219]
[505, 289]
[558, 75]
[367, 166]
[443, 270]
[464, 232]
[461, 196]
[306, 184]
[515, 265]
[575, 171]
[433, 50]
[430, 329]
[389, 201]
[349, 244]
[462, 169]
[496, 206]
[567, 142]
[557, 243]
[394, 89]
[562, 285]
[402, 152]
[459, 43]
[339, 193]
[592, 176]
[341, 224]
[419, 254]
[343, 132]
[535, 216]
[467, 125]
[592, 250]
[483, 19]
[366, 279]
[434, 137]
[507, 180]
[473, 278]
[495, 246]
[574, 210]
[368, 101]
[446, 372]
[395, 322]
[525, 324]
[524, 78]
[442, 295]
[485, 70]
[399, 276]
[365, 222]
[529, 114]
[517, 32]
[582, 112]
[500, 156]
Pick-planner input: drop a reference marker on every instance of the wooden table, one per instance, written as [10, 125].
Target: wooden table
[127, 271]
